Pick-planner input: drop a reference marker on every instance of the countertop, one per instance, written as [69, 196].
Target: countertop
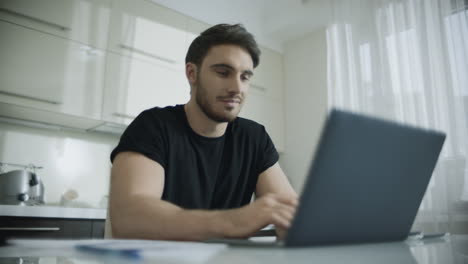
[52, 212]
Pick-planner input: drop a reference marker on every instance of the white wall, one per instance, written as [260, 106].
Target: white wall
[305, 102]
[71, 160]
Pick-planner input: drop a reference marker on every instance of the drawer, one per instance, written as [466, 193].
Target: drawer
[32, 227]
[98, 228]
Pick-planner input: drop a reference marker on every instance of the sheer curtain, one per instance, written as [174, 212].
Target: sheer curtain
[407, 60]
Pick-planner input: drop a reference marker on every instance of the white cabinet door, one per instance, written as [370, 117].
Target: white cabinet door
[84, 21]
[49, 73]
[143, 30]
[133, 85]
[146, 60]
[26, 57]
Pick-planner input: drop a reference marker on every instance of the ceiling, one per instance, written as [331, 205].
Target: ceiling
[273, 22]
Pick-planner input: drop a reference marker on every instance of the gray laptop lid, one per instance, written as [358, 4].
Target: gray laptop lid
[366, 182]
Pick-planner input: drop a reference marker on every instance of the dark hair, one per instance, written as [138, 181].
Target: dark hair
[222, 34]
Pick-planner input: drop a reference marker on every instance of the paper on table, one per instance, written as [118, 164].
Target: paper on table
[148, 249]
[156, 249]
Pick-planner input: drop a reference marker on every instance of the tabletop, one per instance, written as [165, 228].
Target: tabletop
[448, 249]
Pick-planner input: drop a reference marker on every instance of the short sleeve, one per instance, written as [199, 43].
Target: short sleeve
[267, 155]
[144, 135]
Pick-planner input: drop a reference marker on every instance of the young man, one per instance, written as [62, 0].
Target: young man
[188, 172]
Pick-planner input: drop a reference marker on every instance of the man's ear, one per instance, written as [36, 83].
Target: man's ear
[191, 73]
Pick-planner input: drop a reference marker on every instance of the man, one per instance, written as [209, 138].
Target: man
[188, 172]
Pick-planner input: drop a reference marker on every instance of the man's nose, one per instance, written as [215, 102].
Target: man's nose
[236, 86]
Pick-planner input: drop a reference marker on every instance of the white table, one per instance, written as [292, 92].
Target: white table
[452, 249]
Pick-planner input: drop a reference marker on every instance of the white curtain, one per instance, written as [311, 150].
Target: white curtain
[407, 60]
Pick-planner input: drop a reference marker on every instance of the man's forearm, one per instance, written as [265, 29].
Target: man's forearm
[151, 218]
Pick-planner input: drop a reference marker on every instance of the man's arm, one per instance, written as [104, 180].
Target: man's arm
[137, 211]
[274, 181]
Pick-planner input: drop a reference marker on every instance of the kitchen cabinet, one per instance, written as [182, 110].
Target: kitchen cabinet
[42, 72]
[98, 228]
[83, 21]
[83, 64]
[141, 29]
[38, 227]
[51, 222]
[133, 85]
[146, 60]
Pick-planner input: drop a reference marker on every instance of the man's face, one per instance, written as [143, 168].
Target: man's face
[223, 81]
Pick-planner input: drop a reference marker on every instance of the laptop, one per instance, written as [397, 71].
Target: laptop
[365, 184]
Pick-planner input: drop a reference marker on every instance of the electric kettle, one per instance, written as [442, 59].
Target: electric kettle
[21, 187]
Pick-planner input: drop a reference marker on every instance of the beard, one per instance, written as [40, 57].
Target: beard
[208, 108]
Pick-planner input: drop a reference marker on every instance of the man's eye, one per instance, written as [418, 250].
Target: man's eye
[245, 77]
[223, 73]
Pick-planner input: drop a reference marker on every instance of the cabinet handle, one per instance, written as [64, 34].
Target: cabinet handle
[38, 20]
[148, 54]
[123, 115]
[258, 87]
[30, 97]
[29, 228]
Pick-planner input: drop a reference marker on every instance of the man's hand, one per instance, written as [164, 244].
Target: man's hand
[273, 180]
[273, 209]
[281, 233]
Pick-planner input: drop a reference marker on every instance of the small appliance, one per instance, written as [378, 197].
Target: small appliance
[21, 187]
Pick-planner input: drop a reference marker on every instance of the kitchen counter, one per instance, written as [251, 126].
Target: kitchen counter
[52, 212]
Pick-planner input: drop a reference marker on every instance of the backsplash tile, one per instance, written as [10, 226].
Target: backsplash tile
[71, 159]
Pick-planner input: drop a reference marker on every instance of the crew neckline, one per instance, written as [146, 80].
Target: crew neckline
[187, 124]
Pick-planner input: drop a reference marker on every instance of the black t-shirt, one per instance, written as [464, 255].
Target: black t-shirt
[201, 172]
